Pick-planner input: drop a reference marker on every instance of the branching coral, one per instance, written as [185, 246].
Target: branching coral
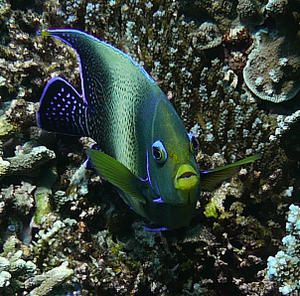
[22, 113]
[19, 273]
[284, 267]
[14, 267]
[48, 281]
[20, 55]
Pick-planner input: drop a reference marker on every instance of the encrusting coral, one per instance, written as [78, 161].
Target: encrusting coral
[198, 53]
[272, 70]
[26, 163]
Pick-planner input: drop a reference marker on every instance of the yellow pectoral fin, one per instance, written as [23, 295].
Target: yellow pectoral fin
[212, 178]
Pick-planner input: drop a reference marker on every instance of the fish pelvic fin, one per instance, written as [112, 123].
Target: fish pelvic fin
[62, 109]
[210, 179]
[118, 175]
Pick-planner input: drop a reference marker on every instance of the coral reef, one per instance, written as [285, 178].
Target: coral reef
[48, 281]
[18, 273]
[272, 69]
[19, 196]
[207, 36]
[284, 267]
[64, 230]
[277, 7]
[6, 127]
[15, 266]
[26, 161]
[250, 11]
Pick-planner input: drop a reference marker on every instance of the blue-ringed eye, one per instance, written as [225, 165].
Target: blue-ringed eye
[194, 144]
[159, 152]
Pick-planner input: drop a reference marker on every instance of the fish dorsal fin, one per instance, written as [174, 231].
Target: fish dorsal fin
[105, 70]
[62, 109]
[210, 179]
[118, 175]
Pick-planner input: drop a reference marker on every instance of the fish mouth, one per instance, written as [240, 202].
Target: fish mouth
[187, 175]
[186, 178]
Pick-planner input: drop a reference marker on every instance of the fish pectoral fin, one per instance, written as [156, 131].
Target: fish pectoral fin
[210, 179]
[62, 109]
[117, 174]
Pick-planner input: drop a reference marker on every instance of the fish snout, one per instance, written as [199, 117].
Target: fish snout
[186, 178]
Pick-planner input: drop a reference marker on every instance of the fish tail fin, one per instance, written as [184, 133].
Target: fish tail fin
[210, 179]
[62, 110]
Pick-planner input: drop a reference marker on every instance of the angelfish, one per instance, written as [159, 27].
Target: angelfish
[145, 150]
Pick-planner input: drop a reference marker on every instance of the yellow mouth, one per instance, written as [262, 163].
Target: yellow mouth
[186, 178]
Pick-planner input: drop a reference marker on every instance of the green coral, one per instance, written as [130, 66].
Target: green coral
[42, 203]
[211, 210]
[6, 127]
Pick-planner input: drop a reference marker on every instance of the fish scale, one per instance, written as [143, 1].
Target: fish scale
[122, 99]
[146, 152]
[117, 115]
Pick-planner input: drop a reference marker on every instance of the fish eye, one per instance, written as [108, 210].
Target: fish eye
[159, 152]
[194, 144]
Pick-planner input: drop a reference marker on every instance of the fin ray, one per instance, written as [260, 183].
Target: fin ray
[117, 174]
[210, 179]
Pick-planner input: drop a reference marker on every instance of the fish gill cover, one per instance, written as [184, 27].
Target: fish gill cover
[65, 230]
